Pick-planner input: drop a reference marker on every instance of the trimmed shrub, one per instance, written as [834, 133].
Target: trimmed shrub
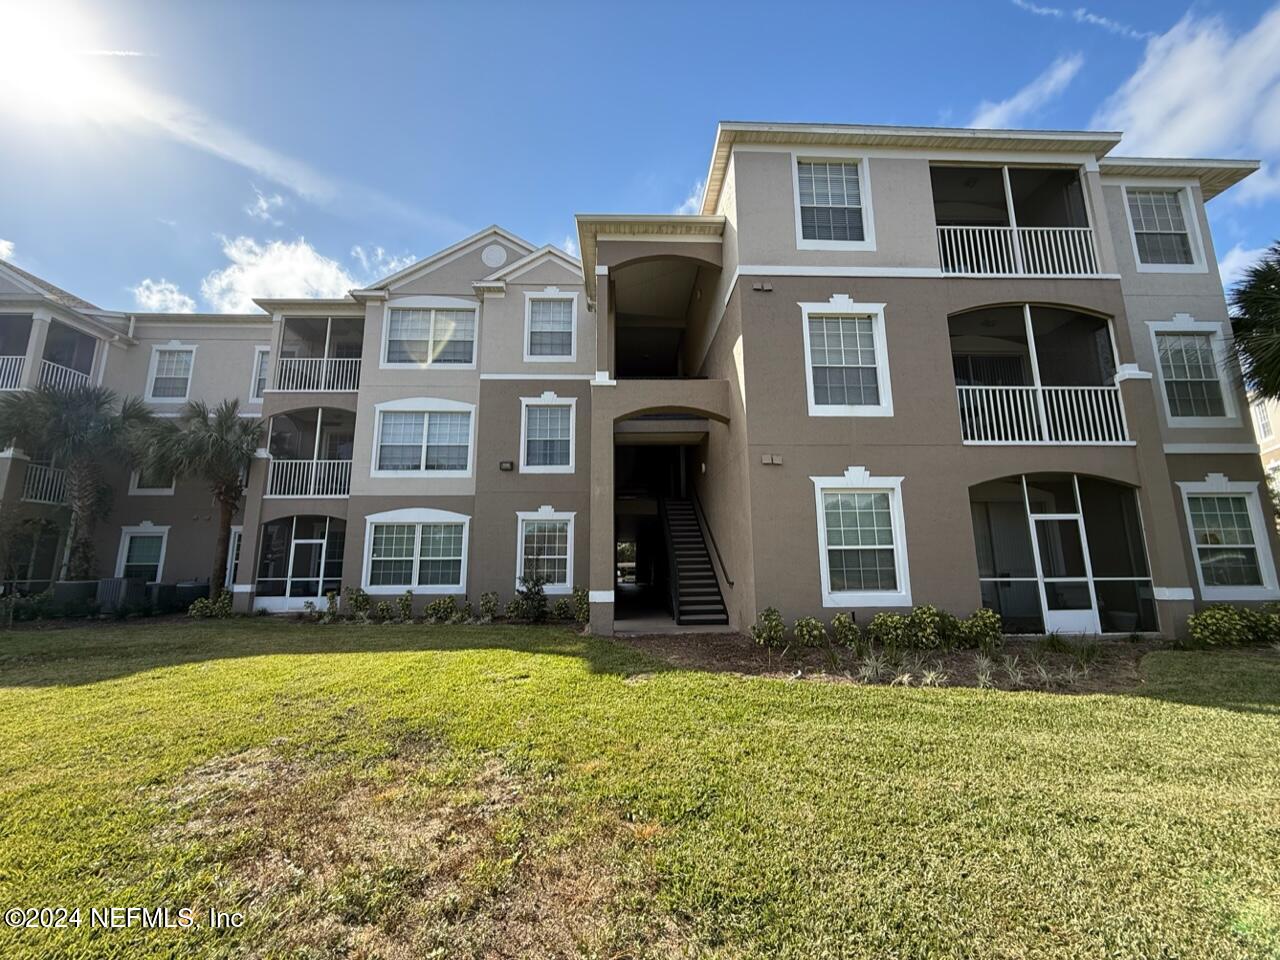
[924, 628]
[1221, 626]
[769, 630]
[531, 600]
[581, 605]
[331, 612]
[513, 610]
[563, 609]
[889, 630]
[465, 614]
[383, 612]
[441, 610]
[202, 608]
[846, 633]
[357, 602]
[810, 632]
[404, 607]
[982, 630]
[488, 606]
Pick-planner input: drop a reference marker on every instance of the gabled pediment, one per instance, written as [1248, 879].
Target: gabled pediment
[490, 249]
[556, 258]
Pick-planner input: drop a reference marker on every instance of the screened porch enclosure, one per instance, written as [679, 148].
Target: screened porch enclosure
[1031, 374]
[1062, 552]
[320, 354]
[299, 559]
[311, 453]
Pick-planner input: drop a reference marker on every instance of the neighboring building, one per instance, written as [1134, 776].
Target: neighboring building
[1266, 427]
[882, 366]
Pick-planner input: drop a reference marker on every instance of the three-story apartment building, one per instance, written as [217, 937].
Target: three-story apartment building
[883, 366]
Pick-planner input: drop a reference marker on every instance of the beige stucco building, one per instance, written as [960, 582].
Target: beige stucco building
[883, 366]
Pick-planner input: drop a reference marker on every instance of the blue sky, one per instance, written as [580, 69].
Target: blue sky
[193, 155]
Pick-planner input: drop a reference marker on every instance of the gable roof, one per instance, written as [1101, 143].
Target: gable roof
[47, 289]
[547, 252]
[451, 253]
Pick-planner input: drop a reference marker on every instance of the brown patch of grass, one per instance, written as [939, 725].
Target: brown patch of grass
[419, 854]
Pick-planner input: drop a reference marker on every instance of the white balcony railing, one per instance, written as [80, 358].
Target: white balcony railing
[318, 374]
[44, 484]
[61, 378]
[1042, 415]
[11, 372]
[1041, 251]
[309, 478]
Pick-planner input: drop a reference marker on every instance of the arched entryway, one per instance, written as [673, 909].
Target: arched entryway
[1062, 552]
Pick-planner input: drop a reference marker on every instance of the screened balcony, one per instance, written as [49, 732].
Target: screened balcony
[1012, 221]
[1036, 375]
[320, 354]
[15, 332]
[310, 453]
[67, 362]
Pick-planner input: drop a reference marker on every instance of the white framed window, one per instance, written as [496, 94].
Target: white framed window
[544, 548]
[1262, 419]
[233, 555]
[548, 433]
[1228, 534]
[145, 483]
[429, 332]
[846, 366]
[423, 437]
[862, 543]
[832, 196]
[1192, 362]
[141, 553]
[550, 326]
[419, 549]
[169, 378]
[1163, 229]
[261, 366]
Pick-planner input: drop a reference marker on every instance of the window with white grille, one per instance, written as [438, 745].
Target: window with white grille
[1189, 370]
[862, 548]
[416, 554]
[427, 336]
[846, 359]
[1159, 227]
[423, 441]
[830, 194]
[141, 553]
[261, 363]
[545, 549]
[1222, 531]
[171, 373]
[550, 333]
[547, 435]
[1262, 419]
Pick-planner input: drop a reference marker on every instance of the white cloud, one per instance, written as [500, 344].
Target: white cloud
[6, 249]
[275, 269]
[1087, 17]
[569, 245]
[1037, 93]
[264, 207]
[377, 263]
[1202, 90]
[693, 202]
[1233, 264]
[161, 296]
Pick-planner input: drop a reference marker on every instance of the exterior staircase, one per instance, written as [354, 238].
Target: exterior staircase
[695, 592]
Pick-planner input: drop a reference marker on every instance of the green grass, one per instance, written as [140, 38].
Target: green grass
[438, 791]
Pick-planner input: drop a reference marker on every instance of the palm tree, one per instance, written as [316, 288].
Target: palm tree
[215, 445]
[1255, 307]
[82, 429]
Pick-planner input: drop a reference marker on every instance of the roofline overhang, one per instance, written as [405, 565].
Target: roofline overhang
[275, 305]
[638, 226]
[1214, 176]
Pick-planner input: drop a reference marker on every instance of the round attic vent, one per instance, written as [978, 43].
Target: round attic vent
[493, 255]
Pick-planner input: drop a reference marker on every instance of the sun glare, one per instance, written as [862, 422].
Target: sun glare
[51, 72]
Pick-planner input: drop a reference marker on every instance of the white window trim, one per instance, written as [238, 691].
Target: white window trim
[237, 530]
[146, 528]
[864, 188]
[550, 293]
[1185, 323]
[548, 399]
[859, 479]
[544, 513]
[258, 351]
[1198, 264]
[423, 405]
[841, 305]
[417, 516]
[428, 303]
[136, 491]
[156, 349]
[1217, 483]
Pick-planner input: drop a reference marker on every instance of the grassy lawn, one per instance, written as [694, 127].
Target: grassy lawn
[409, 791]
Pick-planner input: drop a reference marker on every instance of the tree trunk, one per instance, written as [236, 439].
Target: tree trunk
[226, 511]
[83, 497]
